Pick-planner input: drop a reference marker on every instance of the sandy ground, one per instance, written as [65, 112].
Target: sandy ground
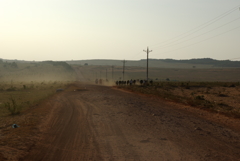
[89, 122]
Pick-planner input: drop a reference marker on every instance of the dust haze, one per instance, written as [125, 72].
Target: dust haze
[21, 71]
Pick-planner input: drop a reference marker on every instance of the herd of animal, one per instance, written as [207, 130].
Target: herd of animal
[128, 82]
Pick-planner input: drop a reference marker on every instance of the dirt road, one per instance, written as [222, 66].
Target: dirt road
[90, 122]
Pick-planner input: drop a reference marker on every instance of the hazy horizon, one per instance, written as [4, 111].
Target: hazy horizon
[12, 60]
[116, 30]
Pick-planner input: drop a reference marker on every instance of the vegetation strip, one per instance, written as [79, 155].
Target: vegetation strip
[220, 97]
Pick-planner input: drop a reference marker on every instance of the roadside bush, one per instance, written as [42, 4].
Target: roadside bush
[11, 89]
[12, 106]
[200, 97]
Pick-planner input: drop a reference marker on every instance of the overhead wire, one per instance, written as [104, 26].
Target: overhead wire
[203, 40]
[200, 27]
[134, 56]
[226, 13]
[201, 34]
[169, 42]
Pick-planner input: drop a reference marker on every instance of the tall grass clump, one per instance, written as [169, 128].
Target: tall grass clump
[12, 106]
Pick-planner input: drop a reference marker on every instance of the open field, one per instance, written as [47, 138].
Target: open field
[161, 74]
[161, 63]
[26, 94]
[23, 84]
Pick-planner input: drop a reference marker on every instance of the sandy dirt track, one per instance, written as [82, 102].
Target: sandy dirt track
[102, 123]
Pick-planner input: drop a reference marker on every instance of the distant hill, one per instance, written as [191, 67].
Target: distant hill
[159, 63]
[163, 63]
[206, 61]
[14, 70]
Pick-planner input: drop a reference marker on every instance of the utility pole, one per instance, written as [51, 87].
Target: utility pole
[124, 61]
[112, 72]
[147, 51]
[106, 74]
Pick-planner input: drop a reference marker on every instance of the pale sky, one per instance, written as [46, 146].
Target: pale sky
[119, 29]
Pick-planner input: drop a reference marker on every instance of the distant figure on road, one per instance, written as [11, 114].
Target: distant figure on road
[131, 82]
[144, 82]
[134, 82]
[151, 82]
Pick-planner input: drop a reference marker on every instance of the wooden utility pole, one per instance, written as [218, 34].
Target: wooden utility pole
[112, 72]
[124, 61]
[147, 51]
[106, 74]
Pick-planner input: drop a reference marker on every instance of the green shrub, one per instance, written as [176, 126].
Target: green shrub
[12, 106]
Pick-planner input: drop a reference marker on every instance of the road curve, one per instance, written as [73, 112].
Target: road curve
[94, 123]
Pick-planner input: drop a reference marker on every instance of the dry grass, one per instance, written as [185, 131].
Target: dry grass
[221, 97]
[25, 94]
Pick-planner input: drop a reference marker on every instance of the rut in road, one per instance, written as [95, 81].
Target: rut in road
[67, 134]
[101, 123]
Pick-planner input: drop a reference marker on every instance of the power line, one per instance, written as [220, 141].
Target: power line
[199, 27]
[204, 40]
[169, 42]
[134, 56]
[202, 33]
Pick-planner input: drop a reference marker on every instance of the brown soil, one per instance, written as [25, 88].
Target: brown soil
[89, 122]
